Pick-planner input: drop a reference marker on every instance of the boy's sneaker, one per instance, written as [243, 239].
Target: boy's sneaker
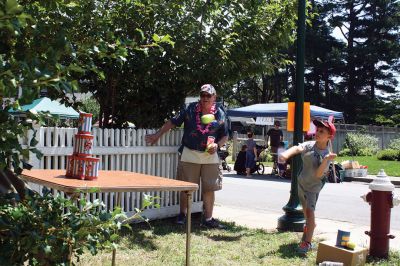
[213, 223]
[304, 247]
[181, 219]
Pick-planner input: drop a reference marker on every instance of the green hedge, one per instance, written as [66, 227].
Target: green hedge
[394, 144]
[388, 155]
[359, 144]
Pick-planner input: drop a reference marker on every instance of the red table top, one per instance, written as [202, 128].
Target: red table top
[107, 181]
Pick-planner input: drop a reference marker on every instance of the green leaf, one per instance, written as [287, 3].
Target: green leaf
[12, 7]
[47, 249]
[114, 237]
[141, 33]
[156, 38]
[72, 4]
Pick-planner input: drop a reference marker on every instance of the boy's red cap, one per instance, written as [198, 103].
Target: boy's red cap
[329, 125]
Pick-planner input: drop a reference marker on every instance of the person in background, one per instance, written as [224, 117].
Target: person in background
[308, 136]
[275, 136]
[240, 163]
[281, 163]
[199, 159]
[251, 153]
[316, 158]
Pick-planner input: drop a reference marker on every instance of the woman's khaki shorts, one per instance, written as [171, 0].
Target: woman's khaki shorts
[210, 175]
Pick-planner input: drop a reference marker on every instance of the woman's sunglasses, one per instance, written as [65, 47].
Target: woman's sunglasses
[205, 95]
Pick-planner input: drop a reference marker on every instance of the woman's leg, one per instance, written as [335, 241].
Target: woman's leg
[249, 161]
[248, 172]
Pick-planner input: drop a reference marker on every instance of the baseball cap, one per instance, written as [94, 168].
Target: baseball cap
[208, 88]
[329, 125]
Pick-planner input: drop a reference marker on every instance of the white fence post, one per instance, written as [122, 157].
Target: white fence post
[235, 145]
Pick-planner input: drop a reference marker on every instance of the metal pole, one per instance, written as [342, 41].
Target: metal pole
[188, 224]
[119, 204]
[293, 219]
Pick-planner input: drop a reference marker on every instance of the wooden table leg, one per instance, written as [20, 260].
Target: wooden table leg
[188, 224]
[114, 253]
[118, 202]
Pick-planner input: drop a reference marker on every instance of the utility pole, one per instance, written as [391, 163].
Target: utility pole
[293, 219]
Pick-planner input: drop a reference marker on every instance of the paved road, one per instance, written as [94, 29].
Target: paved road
[339, 202]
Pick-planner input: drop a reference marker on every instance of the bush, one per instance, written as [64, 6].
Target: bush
[388, 155]
[358, 144]
[51, 230]
[394, 144]
[345, 152]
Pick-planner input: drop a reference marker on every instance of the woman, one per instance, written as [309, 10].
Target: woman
[251, 154]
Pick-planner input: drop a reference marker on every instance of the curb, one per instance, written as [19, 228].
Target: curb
[369, 180]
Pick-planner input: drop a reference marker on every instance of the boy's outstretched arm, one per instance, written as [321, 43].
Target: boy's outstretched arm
[284, 156]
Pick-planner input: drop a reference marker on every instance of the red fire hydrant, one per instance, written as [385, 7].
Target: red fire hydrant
[381, 200]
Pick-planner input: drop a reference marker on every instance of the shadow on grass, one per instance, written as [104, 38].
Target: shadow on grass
[284, 251]
[139, 237]
[144, 234]
[394, 257]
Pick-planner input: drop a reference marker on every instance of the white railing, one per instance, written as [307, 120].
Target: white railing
[119, 149]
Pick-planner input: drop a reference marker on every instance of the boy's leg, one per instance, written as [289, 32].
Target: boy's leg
[308, 201]
[310, 225]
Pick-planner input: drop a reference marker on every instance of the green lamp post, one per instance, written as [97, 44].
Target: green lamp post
[293, 219]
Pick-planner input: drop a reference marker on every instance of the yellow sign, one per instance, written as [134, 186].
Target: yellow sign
[306, 116]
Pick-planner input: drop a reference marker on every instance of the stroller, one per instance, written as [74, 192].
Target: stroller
[240, 162]
[222, 154]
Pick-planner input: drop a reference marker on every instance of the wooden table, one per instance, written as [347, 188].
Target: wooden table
[118, 182]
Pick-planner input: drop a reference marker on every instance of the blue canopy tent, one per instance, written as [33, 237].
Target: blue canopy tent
[46, 105]
[279, 110]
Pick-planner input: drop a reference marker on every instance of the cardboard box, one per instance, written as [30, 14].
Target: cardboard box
[327, 251]
[350, 164]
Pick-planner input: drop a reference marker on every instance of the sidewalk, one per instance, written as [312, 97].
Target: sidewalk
[325, 230]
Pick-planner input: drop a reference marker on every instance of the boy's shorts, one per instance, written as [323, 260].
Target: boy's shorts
[307, 199]
[209, 174]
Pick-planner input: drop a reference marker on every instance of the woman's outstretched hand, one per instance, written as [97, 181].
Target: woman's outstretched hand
[151, 138]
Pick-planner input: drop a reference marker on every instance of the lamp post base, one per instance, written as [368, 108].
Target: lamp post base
[293, 219]
[286, 223]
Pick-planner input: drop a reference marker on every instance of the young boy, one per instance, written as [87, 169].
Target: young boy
[316, 158]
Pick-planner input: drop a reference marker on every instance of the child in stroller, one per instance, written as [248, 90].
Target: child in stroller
[240, 162]
[223, 153]
[281, 163]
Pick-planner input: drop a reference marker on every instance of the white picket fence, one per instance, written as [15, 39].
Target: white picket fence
[119, 149]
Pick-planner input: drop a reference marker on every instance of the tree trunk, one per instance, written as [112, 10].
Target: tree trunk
[10, 182]
[351, 72]
[326, 86]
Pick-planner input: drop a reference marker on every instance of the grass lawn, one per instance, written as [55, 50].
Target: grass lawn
[164, 244]
[392, 168]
